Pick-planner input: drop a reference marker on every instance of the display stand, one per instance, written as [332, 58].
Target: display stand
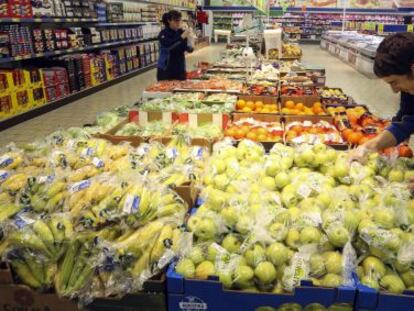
[219, 32]
[273, 40]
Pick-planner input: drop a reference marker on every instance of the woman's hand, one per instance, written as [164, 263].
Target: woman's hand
[185, 34]
[361, 153]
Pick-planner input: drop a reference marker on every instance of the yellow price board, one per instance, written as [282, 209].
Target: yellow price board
[410, 28]
[380, 28]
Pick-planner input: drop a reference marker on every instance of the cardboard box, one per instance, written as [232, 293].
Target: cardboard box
[265, 117]
[267, 100]
[5, 274]
[135, 141]
[188, 193]
[306, 100]
[193, 294]
[21, 297]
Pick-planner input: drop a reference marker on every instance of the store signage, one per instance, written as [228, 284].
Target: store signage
[191, 303]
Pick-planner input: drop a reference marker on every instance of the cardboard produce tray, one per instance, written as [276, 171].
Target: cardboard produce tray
[307, 101]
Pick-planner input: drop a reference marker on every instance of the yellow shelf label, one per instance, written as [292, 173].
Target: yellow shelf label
[380, 28]
[410, 28]
[15, 19]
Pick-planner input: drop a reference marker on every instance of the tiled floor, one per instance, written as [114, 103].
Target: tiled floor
[373, 93]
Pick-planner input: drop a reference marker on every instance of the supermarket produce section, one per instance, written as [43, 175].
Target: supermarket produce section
[231, 190]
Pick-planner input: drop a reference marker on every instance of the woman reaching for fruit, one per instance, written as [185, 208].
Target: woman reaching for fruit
[394, 64]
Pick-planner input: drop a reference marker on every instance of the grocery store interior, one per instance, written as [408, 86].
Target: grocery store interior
[218, 155]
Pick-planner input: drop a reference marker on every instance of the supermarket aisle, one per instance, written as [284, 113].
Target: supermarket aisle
[84, 110]
[371, 92]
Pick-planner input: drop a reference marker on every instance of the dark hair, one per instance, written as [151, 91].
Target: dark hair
[170, 16]
[395, 55]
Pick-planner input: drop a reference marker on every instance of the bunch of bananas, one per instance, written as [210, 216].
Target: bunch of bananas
[81, 215]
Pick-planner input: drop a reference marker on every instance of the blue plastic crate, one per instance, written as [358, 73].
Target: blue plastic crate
[192, 294]
[370, 299]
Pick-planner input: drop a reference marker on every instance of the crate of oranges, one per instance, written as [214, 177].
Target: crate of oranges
[261, 129]
[302, 105]
[257, 104]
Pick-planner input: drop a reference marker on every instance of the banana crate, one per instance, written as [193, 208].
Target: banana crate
[193, 294]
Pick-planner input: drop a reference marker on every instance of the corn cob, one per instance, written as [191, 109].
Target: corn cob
[55, 202]
[141, 264]
[37, 203]
[83, 278]
[55, 188]
[78, 266]
[30, 240]
[36, 267]
[50, 270]
[14, 183]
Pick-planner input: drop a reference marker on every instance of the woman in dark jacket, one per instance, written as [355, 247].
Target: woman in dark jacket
[173, 45]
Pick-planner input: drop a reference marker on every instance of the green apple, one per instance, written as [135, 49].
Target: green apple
[282, 179]
[370, 282]
[385, 217]
[333, 262]
[212, 252]
[408, 278]
[408, 175]
[272, 168]
[243, 276]
[317, 265]
[276, 253]
[255, 208]
[402, 267]
[373, 267]
[338, 235]
[269, 183]
[396, 175]
[324, 169]
[226, 278]
[298, 160]
[231, 243]
[277, 231]
[320, 148]
[244, 224]
[206, 229]
[392, 283]
[293, 238]
[365, 224]
[265, 272]
[331, 280]
[286, 163]
[196, 255]
[321, 159]
[308, 156]
[221, 181]
[230, 216]
[204, 270]
[186, 268]
[324, 199]
[255, 255]
[341, 169]
[208, 180]
[331, 154]
[310, 235]
[218, 166]
[193, 223]
[351, 221]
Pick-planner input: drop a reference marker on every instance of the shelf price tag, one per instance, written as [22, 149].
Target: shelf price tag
[380, 28]
[410, 28]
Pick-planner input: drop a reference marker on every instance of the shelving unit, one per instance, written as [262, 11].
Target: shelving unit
[59, 56]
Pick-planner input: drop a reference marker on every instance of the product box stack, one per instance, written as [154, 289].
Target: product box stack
[18, 40]
[86, 65]
[16, 9]
[120, 56]
[100, 9]
[115, 12]
[98, 71]
[111, 65]
[34, 83]
[56, 83]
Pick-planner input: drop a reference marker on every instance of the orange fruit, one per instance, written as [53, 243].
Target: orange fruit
[317, 104]
[346, 133]
[239, 134]
[258, 104]
[265, 110]
[258, 110]
[247, 109]
[273, 107]
[299, 106]
[261, 131]
[262, 137]
[251, 136]
[250, 104]
[290, 104]
[355, 137]
[240, 104]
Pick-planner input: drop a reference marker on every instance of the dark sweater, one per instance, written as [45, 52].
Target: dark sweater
[402, 125]
[171, 62]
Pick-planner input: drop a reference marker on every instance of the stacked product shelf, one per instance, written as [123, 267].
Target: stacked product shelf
[119, 38]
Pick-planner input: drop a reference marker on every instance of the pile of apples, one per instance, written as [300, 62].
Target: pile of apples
[310, 132]
[257, 106]
[271, 220]
[255, 130]
[290, 107]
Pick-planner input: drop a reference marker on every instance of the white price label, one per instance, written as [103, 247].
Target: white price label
[80, 186]
[4, 175]
[131, 204]
[5, 160]
[45, 179]
[97, 162]
[304, 190]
